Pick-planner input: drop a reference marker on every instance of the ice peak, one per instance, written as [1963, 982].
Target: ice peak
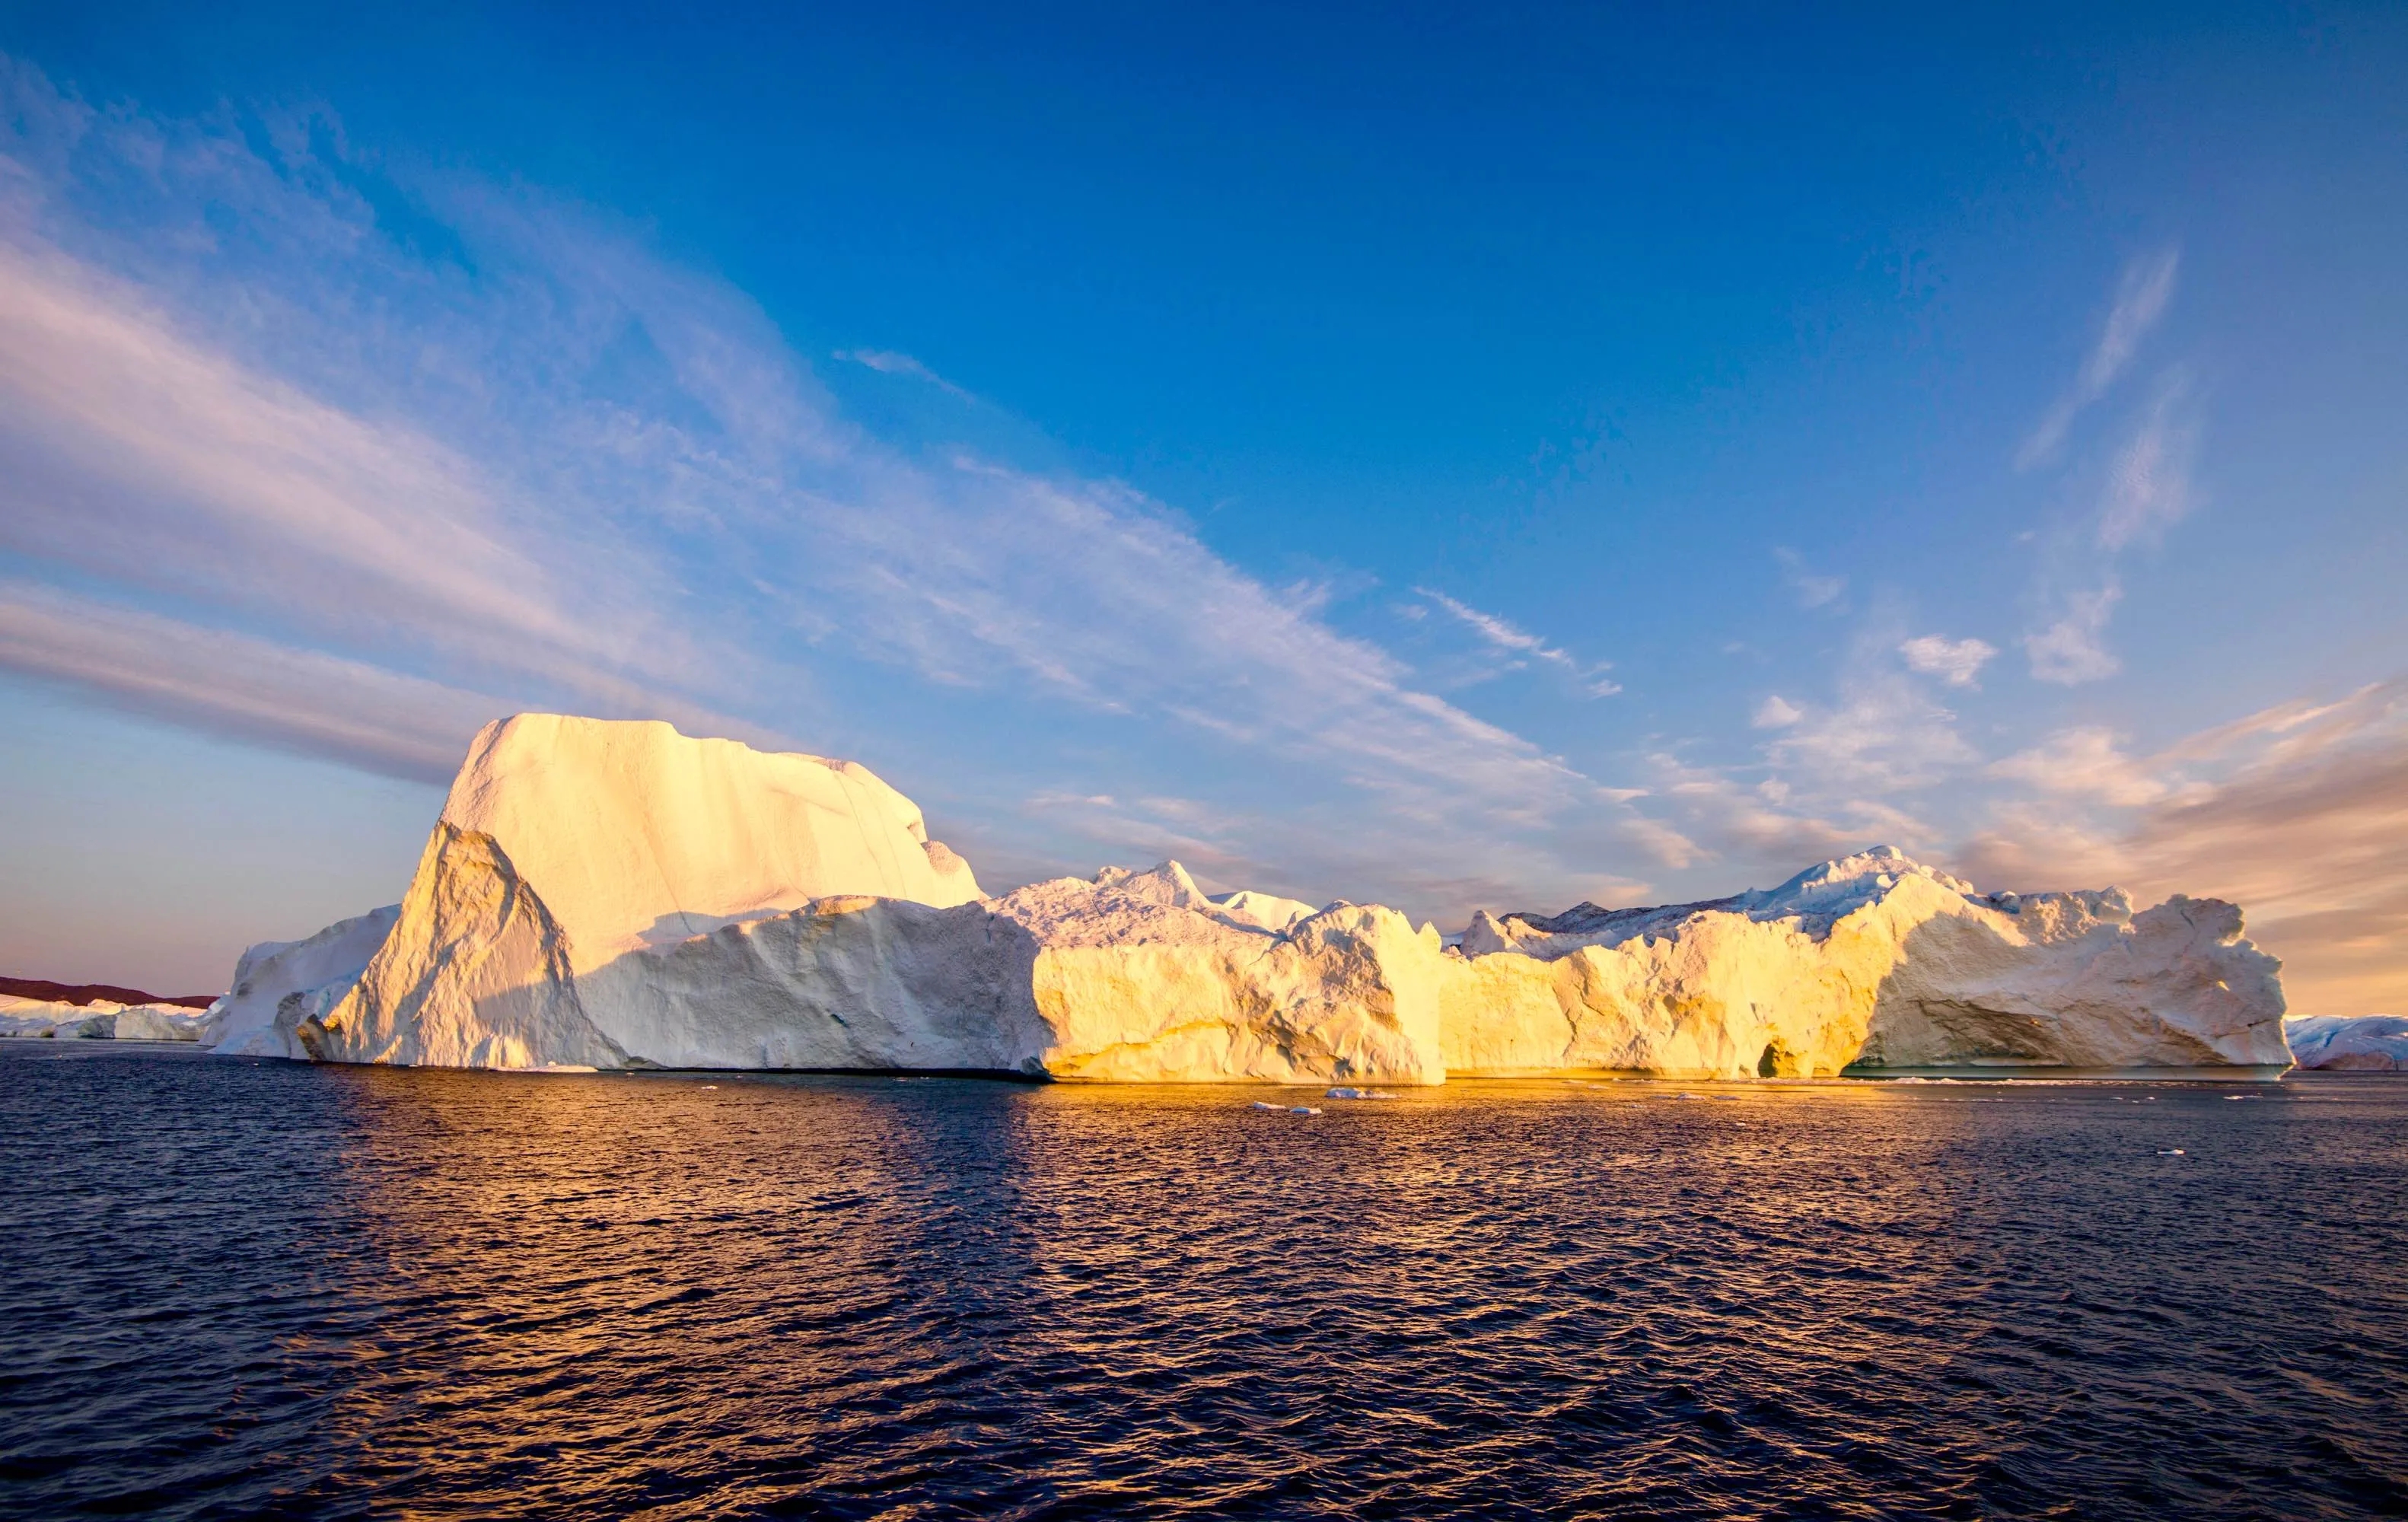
[1869, 871]
[1166, 884]
[1833, 888]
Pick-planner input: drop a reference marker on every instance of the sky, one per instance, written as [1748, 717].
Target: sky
[1463, 458]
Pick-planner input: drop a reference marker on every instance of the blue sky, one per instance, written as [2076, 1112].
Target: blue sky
[1450, 459]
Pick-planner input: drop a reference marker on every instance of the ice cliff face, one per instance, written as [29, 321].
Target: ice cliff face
[613, 895]
[571, 850]
[1870, 961]
[2374, 1043]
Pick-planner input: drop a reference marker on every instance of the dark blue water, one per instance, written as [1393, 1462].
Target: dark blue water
[238, 1289]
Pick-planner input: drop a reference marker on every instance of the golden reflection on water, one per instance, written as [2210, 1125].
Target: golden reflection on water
[671, 1290]
[606, 1267]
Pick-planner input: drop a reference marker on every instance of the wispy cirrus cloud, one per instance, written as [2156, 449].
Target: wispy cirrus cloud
[1813, 590]
[1522, 647]
[2142, 297]
[2148, 485]
[2144, 488]
[229, 683]
[135, 453]
[891, 362]
[2074, 649]
[512, 458]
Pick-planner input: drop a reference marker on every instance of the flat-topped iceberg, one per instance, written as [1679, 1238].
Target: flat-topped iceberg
[617, 894]
[569, 851]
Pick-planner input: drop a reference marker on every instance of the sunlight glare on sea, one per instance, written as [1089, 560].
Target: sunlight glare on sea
[269, 1289]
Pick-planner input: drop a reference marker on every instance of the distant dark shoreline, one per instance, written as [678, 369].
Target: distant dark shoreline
[85, 993]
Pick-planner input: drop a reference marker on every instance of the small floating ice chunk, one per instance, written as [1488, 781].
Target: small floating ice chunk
[1357, 1094]
[2170, 1152]
[1302, 1109]
[1261, 1104]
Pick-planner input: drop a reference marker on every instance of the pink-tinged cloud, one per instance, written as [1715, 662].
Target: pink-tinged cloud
[249, 689]
[2299, 813]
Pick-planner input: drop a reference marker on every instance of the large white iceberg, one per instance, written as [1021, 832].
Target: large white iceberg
[571, 851]
[617, 894]
[2376, 1043]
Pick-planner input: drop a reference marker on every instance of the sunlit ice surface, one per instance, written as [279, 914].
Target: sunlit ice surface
[242, 1289]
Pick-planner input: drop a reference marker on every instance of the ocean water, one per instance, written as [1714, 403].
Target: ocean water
[260, 1289]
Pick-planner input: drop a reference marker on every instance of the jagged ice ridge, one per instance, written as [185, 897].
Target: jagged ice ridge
[614, 895]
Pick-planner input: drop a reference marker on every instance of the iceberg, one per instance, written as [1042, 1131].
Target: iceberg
[617, 894]
[280, 985]
[2376, 1044]
[98, 1019]
[1870, 962]
[156, 1023]
[570, 852]
[1132, 976]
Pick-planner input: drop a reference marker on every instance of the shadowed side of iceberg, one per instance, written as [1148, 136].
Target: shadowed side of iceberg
[843, 983]
[2173, 986]
[279, 985]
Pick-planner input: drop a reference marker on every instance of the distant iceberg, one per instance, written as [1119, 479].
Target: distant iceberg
[2363, 1043]
[100, 1019]
[616, 895]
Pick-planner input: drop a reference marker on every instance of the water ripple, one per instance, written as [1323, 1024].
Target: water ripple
[242, 1289]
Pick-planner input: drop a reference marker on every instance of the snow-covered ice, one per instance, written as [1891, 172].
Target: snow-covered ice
[279, 984]
[615, 895]
[2346, 1043]
[100, 1020]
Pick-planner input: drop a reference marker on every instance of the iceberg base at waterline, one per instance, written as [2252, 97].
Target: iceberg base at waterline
[614, 896]
[279, 984]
